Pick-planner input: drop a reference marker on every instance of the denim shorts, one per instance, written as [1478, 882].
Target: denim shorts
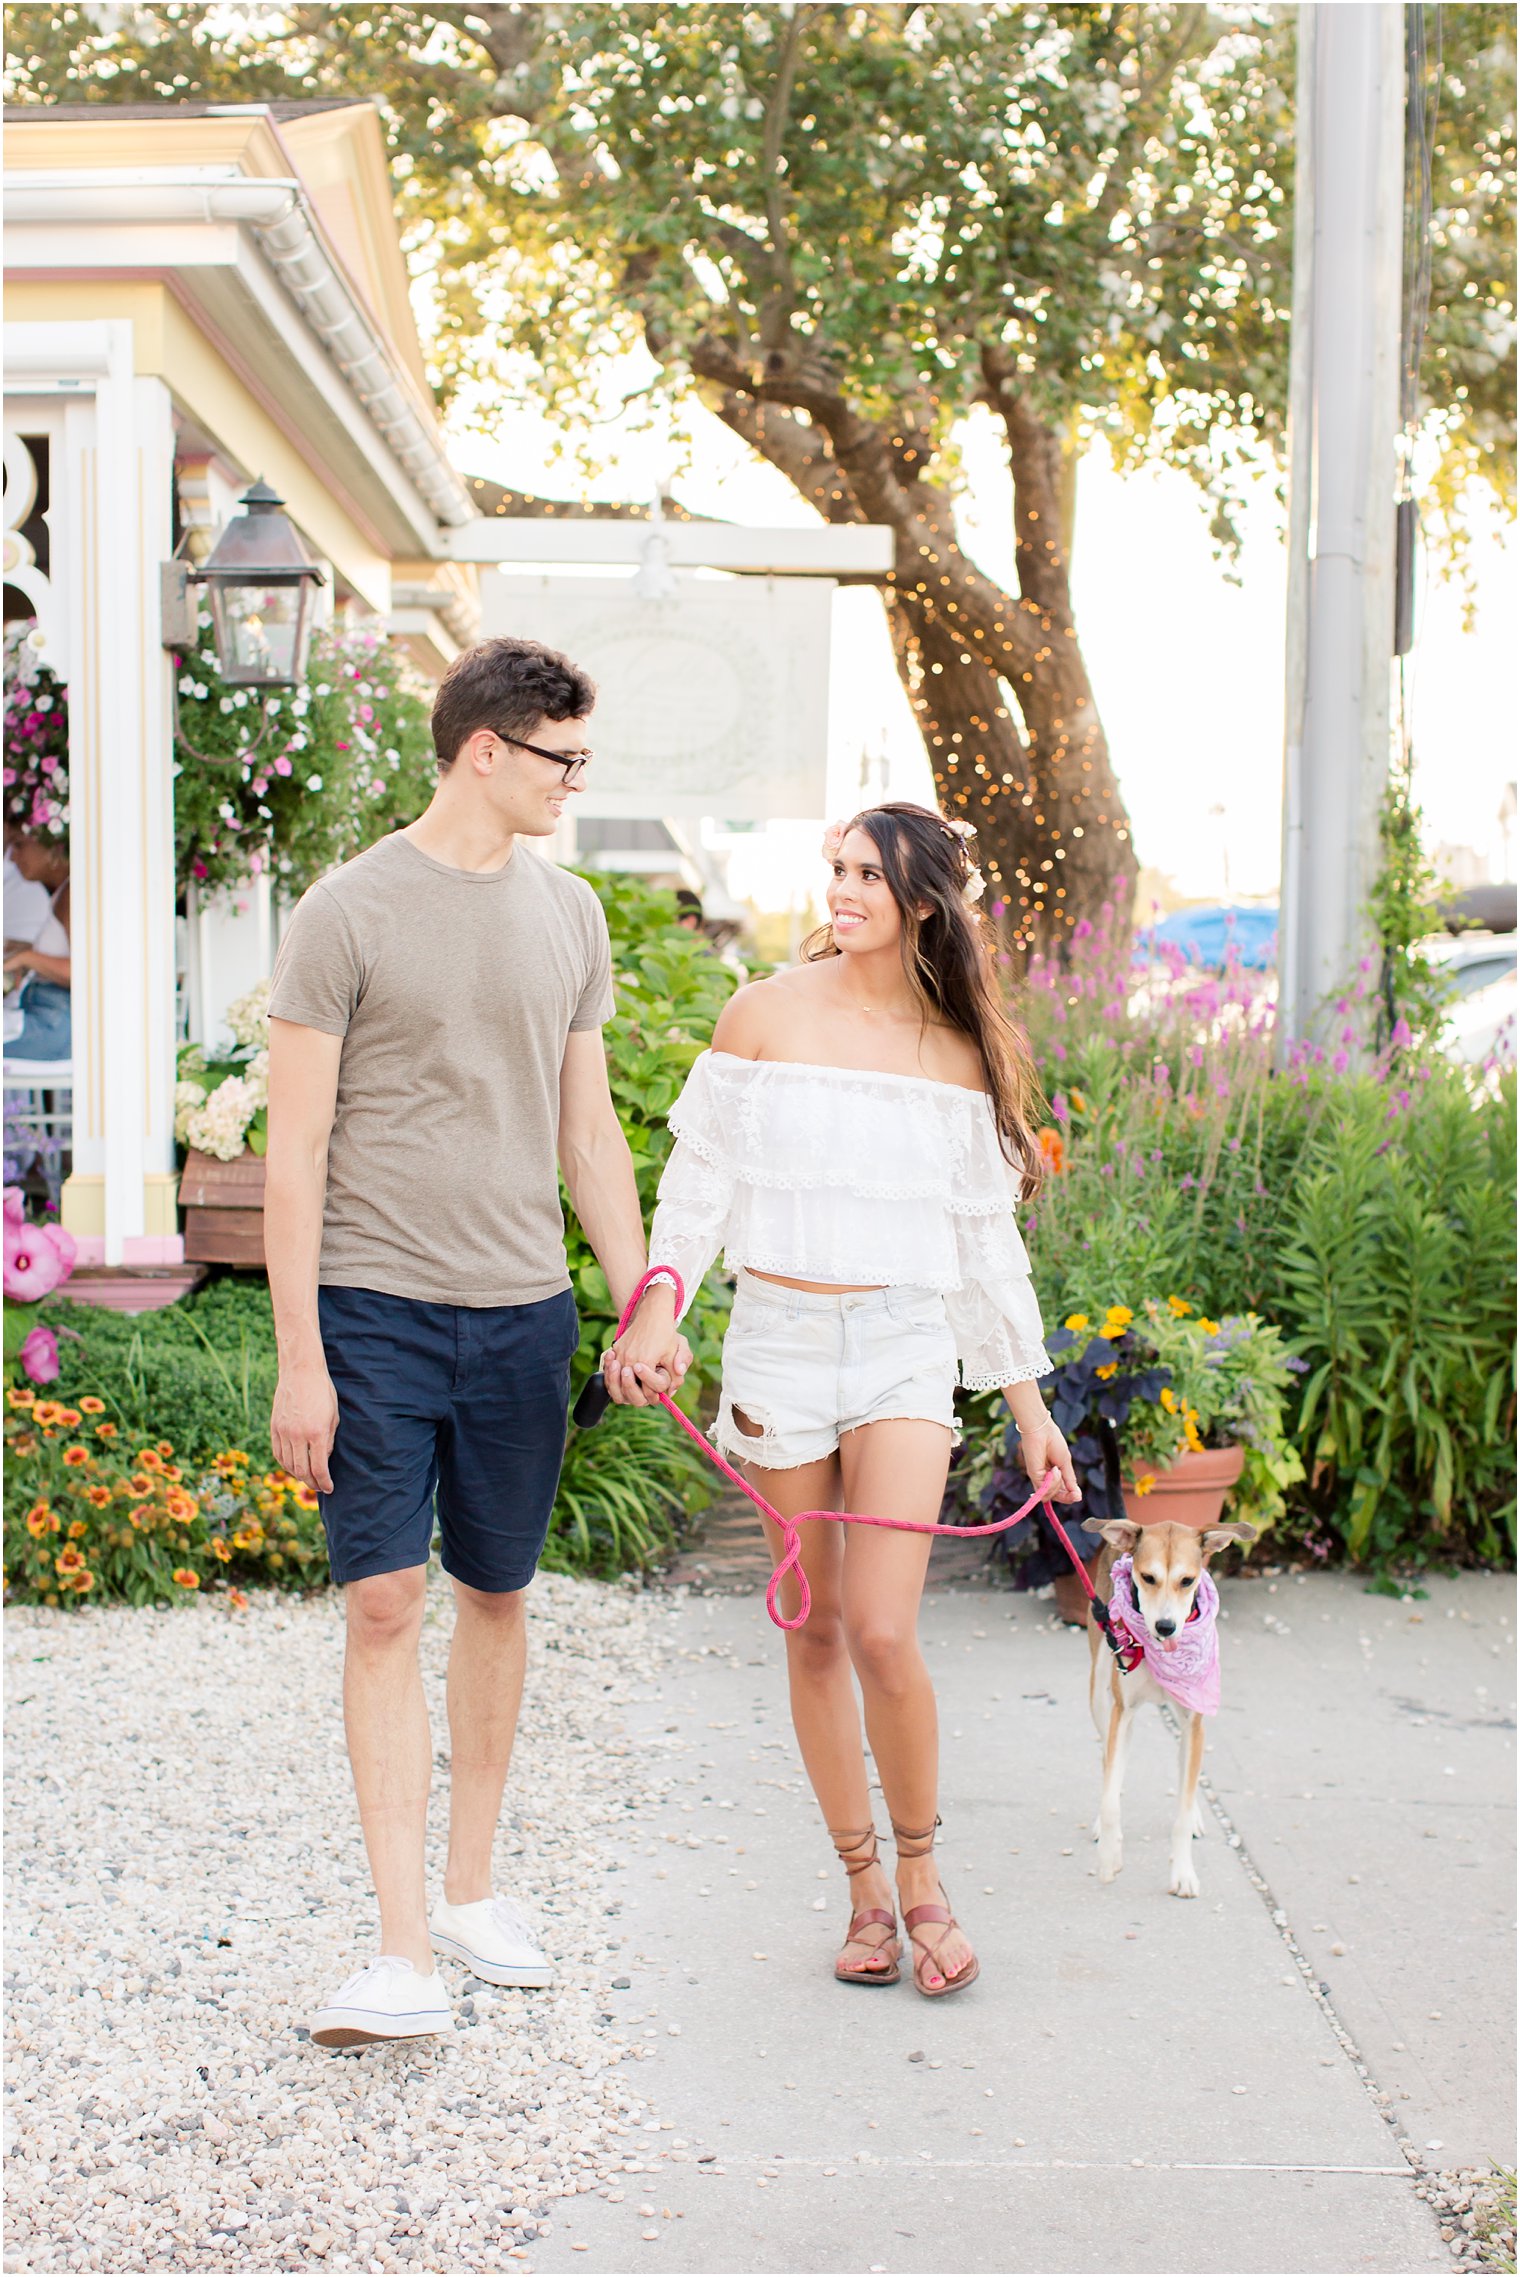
[808, 1366]
[460, 1404]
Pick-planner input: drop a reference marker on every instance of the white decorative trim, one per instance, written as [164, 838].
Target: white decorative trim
[20, 559]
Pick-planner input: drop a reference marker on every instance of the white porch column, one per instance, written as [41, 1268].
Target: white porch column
[111, 529]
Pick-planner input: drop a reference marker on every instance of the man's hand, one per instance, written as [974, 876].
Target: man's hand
[651, 1355]
[304, 1422]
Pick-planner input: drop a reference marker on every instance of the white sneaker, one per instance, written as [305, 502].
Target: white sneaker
[492, 1938]
[385, 2000]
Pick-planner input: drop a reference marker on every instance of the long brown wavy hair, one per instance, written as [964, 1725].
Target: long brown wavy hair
[948, 959]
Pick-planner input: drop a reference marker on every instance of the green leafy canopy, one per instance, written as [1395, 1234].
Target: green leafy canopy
[1099, 193]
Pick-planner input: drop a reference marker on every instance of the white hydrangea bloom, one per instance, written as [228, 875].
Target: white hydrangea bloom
[220, 1126]
[248, 1018]
[187, 1101]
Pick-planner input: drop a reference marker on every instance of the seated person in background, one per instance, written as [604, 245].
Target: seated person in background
[37, 1019]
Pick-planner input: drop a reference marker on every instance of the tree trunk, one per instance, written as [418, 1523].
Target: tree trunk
[997, 683]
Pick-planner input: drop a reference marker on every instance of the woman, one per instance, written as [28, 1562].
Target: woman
[38, 1022]
[855, 1141]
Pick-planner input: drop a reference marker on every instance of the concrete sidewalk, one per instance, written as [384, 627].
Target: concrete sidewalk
[1136, 2082]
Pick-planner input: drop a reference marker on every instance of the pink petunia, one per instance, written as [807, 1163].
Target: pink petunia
[33, 1267]
[39, 1356]
[65, 1244]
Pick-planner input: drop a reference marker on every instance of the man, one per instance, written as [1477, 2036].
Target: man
[435, 1040]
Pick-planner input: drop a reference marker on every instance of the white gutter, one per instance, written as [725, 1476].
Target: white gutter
[278, 214]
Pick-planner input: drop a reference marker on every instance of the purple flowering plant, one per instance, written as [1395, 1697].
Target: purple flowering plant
[1360, 1198]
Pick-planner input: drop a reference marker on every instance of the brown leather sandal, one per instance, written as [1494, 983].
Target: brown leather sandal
[889, 1950]
[925, 1952]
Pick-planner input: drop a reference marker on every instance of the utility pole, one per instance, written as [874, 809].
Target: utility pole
[1343, 470]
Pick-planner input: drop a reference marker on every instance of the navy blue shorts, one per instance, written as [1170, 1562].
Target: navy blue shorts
[459, 1402]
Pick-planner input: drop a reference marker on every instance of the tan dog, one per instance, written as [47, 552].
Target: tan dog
[1167, 1577]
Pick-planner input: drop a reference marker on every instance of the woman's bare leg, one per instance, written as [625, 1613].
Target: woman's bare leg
[825, 1712]
[897, 1470]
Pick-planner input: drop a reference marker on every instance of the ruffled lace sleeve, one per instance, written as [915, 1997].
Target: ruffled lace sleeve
[995, 1314]
[696, 1196]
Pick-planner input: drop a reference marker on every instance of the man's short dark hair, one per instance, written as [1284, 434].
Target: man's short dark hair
[508, 686]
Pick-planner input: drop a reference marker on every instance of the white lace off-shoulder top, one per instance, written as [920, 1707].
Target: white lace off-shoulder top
[846, 1175]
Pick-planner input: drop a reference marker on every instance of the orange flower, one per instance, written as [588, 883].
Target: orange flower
[165, 1448]
[182, 1506]
[75, 1456]
[139, 1484]
[21, 1398]
[68, 1417]
[1144, 1485]
[99, 1495]
[236, 1597]
[305, 1499]
[147, 1460]
[90, 1405]
[246, 1540]
[1053, 1149]
[105, 1431]
[185, 1578]
[171, 1473]
[84, 1580]
[40, 1521]
[70, 1560]
[77, 1529]
[219, 1549]
[46, 1411]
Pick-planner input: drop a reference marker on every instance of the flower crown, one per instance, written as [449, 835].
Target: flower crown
[973, 884]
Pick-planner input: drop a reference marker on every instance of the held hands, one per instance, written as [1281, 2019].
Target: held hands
[651, 1356]
[304, 1423]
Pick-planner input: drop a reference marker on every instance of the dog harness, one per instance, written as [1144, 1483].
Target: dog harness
[1185, 1666]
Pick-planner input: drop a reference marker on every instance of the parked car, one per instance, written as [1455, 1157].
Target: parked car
[1480, 1021]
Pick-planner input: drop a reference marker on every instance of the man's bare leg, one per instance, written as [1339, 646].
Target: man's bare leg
[486, 1663]
[385, 1717]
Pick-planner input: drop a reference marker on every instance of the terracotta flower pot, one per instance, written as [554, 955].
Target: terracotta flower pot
[1190, 1493]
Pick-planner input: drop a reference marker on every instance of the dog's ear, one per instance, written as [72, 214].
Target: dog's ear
[1119, 1534]
[1219, 1538]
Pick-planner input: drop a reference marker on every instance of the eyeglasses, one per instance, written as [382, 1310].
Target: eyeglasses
[574, 763]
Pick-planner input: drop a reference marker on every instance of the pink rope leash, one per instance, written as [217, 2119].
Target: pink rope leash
[791, 1560]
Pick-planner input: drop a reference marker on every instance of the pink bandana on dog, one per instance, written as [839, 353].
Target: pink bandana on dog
[1187, 1665]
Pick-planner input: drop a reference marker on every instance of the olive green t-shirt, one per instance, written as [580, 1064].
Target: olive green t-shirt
[454, 992]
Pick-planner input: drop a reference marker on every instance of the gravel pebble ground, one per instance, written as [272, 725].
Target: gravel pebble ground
[1476, 2210]
[186, 1883]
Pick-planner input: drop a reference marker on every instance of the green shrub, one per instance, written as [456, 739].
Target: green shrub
[200, 1373]
[670, 990]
